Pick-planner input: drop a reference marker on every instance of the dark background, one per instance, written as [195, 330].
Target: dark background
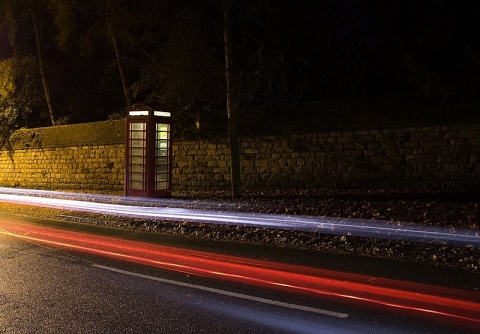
[298, 66]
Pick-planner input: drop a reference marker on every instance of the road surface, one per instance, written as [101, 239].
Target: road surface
[69, 281]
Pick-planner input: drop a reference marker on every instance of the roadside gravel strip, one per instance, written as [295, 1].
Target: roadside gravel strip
[290, 220]
[323, 225]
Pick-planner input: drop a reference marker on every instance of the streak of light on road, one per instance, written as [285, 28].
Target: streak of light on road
[443, 304]
[157, 209]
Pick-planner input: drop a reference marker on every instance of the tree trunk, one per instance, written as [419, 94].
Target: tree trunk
[41, 65]
[231, 110]
[120, 67]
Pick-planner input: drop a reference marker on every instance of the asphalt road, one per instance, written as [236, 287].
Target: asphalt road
[66, 281]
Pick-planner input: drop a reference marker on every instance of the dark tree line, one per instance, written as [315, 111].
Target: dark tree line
[67, 61]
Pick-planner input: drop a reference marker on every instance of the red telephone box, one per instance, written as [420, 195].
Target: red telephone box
[148, 154]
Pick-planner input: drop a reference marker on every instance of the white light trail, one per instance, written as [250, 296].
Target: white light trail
[327, 225]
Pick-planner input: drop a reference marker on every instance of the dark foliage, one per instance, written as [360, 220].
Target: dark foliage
[285, 53]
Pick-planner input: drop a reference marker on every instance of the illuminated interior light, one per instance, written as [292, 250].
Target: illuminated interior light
[162, 113]
[138, 113]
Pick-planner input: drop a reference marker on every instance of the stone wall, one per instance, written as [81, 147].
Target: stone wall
[430, 157]
[91, 157]
[74, 157]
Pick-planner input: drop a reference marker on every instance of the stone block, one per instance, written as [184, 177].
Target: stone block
[261, 163]
[247, 163]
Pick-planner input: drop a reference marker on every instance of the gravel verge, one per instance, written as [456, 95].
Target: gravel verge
[457, 210]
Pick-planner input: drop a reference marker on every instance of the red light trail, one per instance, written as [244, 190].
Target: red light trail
[420, 298]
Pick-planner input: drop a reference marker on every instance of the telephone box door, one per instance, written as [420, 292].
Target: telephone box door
[148, 170]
